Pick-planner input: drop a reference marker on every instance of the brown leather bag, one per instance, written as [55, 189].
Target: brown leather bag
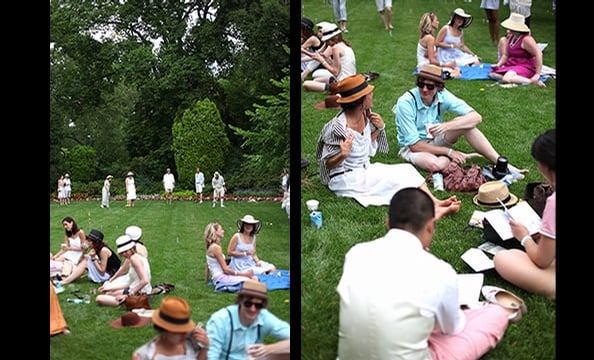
[138, 301]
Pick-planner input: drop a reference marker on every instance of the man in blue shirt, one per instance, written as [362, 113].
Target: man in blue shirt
[237, 331]
[425, 140]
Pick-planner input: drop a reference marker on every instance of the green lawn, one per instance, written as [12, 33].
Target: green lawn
[173, 235]
[512, 118]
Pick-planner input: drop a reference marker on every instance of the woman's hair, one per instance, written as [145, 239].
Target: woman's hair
[353, 104]
[306, 33]
[74, 229]
[426, 23]
[337, 39]
[544, 149]
[210, 234]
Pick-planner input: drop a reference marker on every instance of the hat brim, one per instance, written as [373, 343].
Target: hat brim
[513, 199]
[174, 328]
[331, 35]
[508, 24]
[257, 225]
[328, 104]
[432, 77]
[142, 321]
[126, 247]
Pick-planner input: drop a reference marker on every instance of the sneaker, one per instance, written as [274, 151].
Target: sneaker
[213, 205]
[201, 201]
[222, 205]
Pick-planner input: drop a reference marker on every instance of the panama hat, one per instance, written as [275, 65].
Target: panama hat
[130, 173]
[124, 243]
[324, 25]
[173, 315]
[460, 12]
[516, 22]
[134, 232]
[109, 177]
[255, 289]
[489, 192]
[431, 72]
[352, 88]
[249, 219]
[330, 31]
[130, 319]
[328, 103]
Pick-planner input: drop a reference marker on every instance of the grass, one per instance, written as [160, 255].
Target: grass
[512, 118]
[173, 235]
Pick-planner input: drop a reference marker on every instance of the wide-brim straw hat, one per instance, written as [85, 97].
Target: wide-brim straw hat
[460, 12]
[489, 192]
[249, 219]
[352, 88]
[516, 22]
[173, 315]
[431, 72]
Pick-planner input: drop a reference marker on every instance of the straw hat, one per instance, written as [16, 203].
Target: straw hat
[249, 219]
[467, 17]
[255, 289]
[431, 72]
[173, 315]
[516, 22]
[352, 88]
[130, 319]
[489, 192]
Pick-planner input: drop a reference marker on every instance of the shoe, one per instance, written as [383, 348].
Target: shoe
[213, 205]
[58, 288]
[510, 302]
[201, 201]
[222, 205]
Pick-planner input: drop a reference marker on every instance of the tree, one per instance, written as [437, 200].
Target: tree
[81, 162]
[199, 140]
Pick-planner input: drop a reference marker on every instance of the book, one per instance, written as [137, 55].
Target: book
[522, 212]
[469, 288]
[490, 248]
[477, 260]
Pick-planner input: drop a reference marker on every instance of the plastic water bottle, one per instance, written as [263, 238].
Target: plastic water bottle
[75, 301]
[507, 179]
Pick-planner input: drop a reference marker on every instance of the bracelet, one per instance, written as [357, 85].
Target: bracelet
[524, 240]
[235, 272]
[450, 152]
[382, 128]
[451, 46]
[245, 253]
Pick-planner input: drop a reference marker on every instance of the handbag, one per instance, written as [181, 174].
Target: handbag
[457, 178]
[138, 301]
[536, 193]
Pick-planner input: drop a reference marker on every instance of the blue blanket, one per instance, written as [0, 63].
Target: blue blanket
[479, 72]
[280, 279]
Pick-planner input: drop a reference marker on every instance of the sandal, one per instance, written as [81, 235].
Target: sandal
[514, 305]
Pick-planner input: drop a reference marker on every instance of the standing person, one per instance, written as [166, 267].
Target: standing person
[450, 41]
[534, 269]
[216, 264]
[340, 13]
[426, 49]
[237, 331]
[242, 248]
[218, 189]
[178, 336]
[101, 262]
[340, 64]
[522, 7]
[58, 323]
[67, 183]
[425, 139]
[130, 189]
[61, 190]
[492, 11]
[138, 279]
[405, 298]
[169, 185]
[384, 8]
[284, 180]
[199, 183]
[520, 60]
[105, 191]
[348, 142]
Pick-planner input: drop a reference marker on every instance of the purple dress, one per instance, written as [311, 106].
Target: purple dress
[518, 60]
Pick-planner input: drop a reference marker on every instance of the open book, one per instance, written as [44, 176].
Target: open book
[522, 212]
[469, 288]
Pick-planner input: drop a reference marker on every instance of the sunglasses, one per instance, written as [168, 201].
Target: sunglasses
[248, 304]
[421, 85]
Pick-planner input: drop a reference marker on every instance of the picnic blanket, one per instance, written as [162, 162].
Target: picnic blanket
[481, 72]
[280, 279]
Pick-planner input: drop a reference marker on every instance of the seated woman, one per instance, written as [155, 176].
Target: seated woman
[74, 244]
[347, 143]
[339, 64]
[101, 263]
[310, 42]
[137, 281]
[450, 41]
[216, 264]
[242, 248]
[426, 49]
[520, 58]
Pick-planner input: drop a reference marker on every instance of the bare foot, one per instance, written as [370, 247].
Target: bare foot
[448, 206]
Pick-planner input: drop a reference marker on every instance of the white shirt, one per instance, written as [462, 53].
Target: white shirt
[392, 294]
[168, 181]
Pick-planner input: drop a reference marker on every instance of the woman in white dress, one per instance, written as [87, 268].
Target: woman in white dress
[242, 248]
[130, 189]
[347, 143]
[74, 244]
[426, 49]
[450, 41]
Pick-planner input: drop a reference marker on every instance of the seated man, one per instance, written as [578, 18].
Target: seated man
[425, 139]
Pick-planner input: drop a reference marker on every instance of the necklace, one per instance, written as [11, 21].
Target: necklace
[514, 40]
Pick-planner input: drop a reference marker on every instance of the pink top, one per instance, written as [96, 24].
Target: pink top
[518, 60]
[548, 226]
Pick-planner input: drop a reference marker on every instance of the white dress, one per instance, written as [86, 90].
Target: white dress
[247, 262]
[73, 255]
[445, 55]
[131, 194]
